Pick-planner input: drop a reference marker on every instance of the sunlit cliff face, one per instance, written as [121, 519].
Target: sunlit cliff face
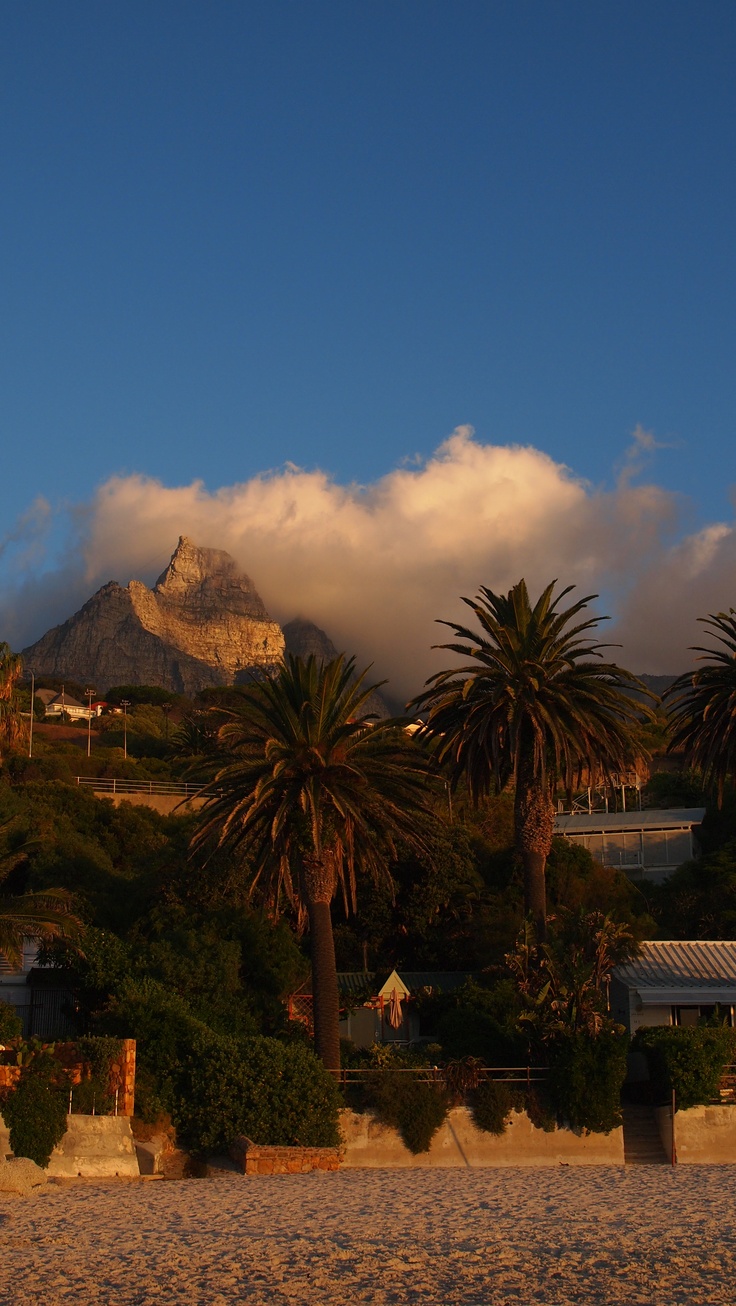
[375, 566]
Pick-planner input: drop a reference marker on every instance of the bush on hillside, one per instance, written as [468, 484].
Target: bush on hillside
[689, 1060]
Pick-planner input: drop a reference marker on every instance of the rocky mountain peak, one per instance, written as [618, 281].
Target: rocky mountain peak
[202, 624]
[197, 577]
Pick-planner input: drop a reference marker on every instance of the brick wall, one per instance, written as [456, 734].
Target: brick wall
[255, 1159]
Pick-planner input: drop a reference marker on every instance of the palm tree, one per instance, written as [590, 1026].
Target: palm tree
[702, 706]
[12, 726]
[534, 709]
[313, 792]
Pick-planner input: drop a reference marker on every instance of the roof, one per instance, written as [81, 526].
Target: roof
[362, 981]
[60, 700]
[670, 971]
[673, 818]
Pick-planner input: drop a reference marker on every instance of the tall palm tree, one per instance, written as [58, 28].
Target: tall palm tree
[702, 706]
[533, 709]
[12, 726]
[314, 791]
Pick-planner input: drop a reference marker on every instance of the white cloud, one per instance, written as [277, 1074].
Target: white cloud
[376, 565]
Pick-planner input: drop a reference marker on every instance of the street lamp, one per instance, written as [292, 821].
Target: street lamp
[125, 704]
[89, 695]
[166, 709]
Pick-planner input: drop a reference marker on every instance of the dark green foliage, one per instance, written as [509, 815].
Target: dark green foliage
[481, 1022]
[491, 1105]
[586, 1075]
[416, 1109]
[272, 1092]
[673, 789]
[153, 695]
[688, 1060]
[11, 1025]
[699, 900]
[94, 1093]
[575, 881]
[35, 1110]
[539, 1109]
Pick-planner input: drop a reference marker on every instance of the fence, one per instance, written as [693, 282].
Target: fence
[458, 1076]
[49, 1014]
[111, 785]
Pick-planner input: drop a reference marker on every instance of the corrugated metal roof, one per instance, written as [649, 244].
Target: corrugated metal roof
[675, 818]
[677, 966]
[360, 981]
[355, 981]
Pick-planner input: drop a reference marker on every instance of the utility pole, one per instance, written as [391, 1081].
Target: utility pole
[89, 695]
[30, 730]
[125, 704]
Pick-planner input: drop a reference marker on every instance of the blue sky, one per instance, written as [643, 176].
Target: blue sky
[239, 234]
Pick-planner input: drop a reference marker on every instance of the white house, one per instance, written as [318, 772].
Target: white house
[675, 983]
[647, 845]
[58, 704]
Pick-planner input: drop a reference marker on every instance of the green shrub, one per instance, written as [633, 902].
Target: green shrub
[690, 1060]
[480, 1022]
[94, 1092]
[585, 1079]
[416, 1109]
[272, 1092]
[539, 1109]
[491, 1105]
[35, 1110]
[11, 1025]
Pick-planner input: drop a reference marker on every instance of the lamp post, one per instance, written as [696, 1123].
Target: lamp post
[166, 709]
[125, 704]
[89, 695]
[30, 729]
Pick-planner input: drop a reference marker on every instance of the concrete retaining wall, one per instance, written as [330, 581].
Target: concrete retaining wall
[164, 804]
[95, 1147]
[704, 1135]
[369, 1144]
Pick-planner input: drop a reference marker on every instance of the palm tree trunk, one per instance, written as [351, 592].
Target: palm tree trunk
[319, 878]
[534, 822]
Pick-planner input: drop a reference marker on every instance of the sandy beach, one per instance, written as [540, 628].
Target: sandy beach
[459, 1238]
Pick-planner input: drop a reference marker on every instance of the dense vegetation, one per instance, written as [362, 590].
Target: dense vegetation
[177, 953]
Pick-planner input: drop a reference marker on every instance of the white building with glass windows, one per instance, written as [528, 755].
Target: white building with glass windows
[647, 845]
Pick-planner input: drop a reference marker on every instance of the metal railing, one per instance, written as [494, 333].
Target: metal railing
[111, 785]
[447, 1076]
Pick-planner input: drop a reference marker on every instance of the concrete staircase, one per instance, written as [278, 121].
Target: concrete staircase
[642, 1143]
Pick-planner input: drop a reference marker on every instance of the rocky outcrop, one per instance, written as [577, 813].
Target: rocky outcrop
[202, 624]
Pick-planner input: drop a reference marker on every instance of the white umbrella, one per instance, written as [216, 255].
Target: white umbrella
[395, 1014]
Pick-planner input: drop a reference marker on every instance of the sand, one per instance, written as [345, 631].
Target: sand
[645, 1234]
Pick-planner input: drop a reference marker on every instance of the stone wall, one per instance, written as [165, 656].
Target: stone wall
[255, 1159]
[369, 1144]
